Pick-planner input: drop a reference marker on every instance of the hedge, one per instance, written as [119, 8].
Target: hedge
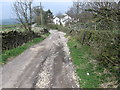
[13, 39]
[106, 45]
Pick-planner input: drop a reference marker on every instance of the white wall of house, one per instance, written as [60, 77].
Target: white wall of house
[63, 20]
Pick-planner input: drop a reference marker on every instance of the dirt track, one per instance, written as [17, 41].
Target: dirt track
[45, 65]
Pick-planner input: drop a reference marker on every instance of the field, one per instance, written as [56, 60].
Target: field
[7, 28]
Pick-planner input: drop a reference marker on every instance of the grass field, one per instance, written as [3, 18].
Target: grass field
[90, 73]
[11, 27]
[16, 27]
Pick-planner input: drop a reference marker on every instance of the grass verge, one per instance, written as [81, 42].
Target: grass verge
[90, 73]
[16, 51]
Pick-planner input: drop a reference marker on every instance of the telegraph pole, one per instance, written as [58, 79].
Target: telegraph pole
[78, 8]
[41, 16]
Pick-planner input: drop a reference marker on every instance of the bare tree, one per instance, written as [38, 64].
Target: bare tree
[76, 9]
[23, 10]
[105, 14]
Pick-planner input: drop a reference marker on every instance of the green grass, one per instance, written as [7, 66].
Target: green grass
[83, 60]
[11, 27]
[16, 51]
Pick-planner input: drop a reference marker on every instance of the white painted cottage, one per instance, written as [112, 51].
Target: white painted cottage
[56, 20]
[65, 19]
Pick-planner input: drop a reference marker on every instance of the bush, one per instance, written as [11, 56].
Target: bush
[58, 27]
[106, 48]
[52, 26]
[13, 39]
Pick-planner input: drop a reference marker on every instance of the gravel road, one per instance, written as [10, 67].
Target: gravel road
[44, 65]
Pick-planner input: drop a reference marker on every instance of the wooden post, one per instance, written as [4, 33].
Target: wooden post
[41, 16]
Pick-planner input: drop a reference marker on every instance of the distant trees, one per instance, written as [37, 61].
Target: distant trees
[77, 10]
[48, 17]
[23, 10]
[38, 14]
[42, 17]
[104, 15]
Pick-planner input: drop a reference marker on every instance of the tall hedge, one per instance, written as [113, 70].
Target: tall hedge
[106, 45]
[13, 39]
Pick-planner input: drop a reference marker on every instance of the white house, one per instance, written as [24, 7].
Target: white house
[65, 19]
[56, 20]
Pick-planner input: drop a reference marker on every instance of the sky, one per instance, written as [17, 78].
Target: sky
[56, 6]
[6, 8]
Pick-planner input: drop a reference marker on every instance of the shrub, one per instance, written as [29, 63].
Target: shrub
[106, 46]
[58, 27]
[52, 26]
[13, 39]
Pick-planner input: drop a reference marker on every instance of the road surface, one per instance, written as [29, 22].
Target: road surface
[44, 65]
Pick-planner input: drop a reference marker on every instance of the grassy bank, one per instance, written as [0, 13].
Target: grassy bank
[91, 74]
[16, 51]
